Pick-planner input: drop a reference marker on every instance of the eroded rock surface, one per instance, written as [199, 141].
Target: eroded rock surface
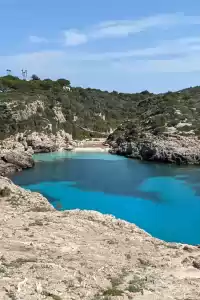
[46, 254]
[14, 160]
[168, 148]
[16, 151]
[37, 142]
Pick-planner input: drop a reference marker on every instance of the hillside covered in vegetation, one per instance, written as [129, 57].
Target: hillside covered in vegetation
[47, 105]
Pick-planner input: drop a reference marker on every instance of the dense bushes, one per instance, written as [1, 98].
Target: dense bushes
[91, 108]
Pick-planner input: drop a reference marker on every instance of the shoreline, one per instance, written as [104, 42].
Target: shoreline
[75, 245]
[90, 149]
[46, 239]
[16, 152]
[168, 149]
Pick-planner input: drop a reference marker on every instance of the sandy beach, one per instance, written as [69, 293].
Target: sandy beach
[91, 146]
[91, 149]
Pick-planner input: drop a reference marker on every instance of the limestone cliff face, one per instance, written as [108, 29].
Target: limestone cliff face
[16, 151]
[49, 112]
[163, 127]
[32, 106]
[46, 254]
[137, 142]
[12, 161]
[31, 114]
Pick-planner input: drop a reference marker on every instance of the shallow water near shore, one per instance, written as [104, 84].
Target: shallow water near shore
[162, 199]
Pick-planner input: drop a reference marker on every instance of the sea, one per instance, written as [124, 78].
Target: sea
[162, 199]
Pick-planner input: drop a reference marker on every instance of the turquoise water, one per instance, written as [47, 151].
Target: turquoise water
[162, 199]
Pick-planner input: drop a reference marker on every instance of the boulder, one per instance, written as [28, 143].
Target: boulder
[7, 168]
[12, 161]
[43, 143]
[38, 142]
[22, 160]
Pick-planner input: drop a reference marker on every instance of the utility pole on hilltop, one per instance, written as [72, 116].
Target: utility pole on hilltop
[24, 74]
[8, 71]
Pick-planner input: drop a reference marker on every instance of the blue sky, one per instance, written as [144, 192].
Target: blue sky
[119, 45]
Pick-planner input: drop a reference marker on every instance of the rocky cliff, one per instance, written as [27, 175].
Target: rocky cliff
[46, 254]
[162, 127]
[132, 142]
[14, 161]
[47, 106]
[16, 151]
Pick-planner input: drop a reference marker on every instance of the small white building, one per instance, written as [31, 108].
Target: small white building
[103, 117]
[75, 118]
[67, 88]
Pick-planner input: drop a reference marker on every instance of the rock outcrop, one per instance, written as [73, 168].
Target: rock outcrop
[14, 161]
[49, 143]
[38, 142]
[16, 151]
[35, 107]
[38, 111]
[168, 148]
[47, 254]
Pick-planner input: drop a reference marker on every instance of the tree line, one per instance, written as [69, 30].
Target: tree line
[13, 83]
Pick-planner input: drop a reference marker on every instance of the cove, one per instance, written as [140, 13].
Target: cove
[164, 200]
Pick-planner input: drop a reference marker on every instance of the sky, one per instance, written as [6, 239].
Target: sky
[127, 46]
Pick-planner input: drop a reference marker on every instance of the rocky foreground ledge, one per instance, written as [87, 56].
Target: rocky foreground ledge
[73, 255]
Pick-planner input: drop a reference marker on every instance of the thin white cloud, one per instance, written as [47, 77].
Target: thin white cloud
[121, 28]
[108, 74]
[178, 47]
[74, 38]
[99, 69]
[37, 39]
[124, 28]
[147, 60]
[188, 64]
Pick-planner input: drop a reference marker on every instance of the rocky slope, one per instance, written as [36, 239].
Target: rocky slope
[49, 106]
[162, 127]
[38, 142]
[73, 255]
[132, 142]
[16, 151]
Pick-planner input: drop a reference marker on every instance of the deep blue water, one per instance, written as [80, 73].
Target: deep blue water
[162, 199]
